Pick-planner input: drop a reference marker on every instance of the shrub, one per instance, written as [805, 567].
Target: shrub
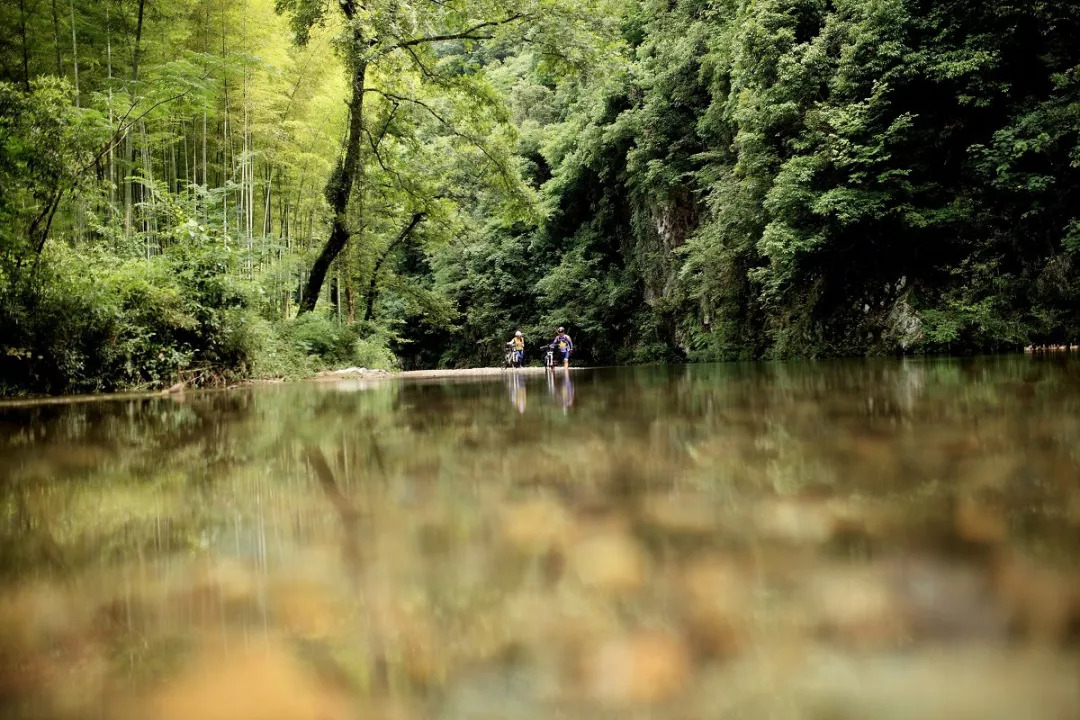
[327, 344]
[89, 321]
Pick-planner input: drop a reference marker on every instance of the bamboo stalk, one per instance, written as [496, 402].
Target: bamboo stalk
[206, 49]
[112, 131]
[248, 179]
[149, 219]
[56, 38]
[225, 174]
[25, 46]
[74, 51]
[187, 181]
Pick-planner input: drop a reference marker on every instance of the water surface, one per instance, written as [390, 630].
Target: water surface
[887, 539]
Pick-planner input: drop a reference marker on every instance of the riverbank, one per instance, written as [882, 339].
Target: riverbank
[366, 374]
[325, 376]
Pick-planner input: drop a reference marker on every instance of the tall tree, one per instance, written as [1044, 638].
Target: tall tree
[56, 40]
[378, 34]
[74, 52]
[25, 45]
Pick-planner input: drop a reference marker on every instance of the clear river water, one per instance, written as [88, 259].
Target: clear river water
[821, 541]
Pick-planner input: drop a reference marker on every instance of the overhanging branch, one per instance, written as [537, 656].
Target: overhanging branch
[476, 142]
[121, 132]
[469, 34]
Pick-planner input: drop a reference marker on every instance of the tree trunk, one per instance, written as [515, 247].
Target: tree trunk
[112, 130]
[352, 251]
[283, 212]
[193, 178]
[335, 293]
[25, 47]
[174, 166]
[369, 311]
[138, 41]
[350, 300]
[56, 39]
[74, 52]
[38, 234]
[206, 49]
[131, 193]
[149, 191]
[339, 190]
[247, 183]
[187, 169]
[205, 181]
[128, 187]
[268, 220]
[225, 169]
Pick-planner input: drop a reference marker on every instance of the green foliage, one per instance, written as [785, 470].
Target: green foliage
[326, 343]
[97, 322]
[45, 142]
[373, 351]
[774, 178]
[984, 309]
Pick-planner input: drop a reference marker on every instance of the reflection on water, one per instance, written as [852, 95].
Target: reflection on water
[518, 397]
[819, 541]
[561, 388]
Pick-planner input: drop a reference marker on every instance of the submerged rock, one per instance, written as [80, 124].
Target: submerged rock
[639, 668]
[610, 561]
[717, 596]
[535, 526]
[259, 684]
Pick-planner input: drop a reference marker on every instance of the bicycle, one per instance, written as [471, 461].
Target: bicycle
[511, 358]
[549, 356]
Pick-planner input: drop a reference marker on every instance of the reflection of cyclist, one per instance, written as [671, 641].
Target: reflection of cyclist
[517, 346]
[517, 392]
[563, 347]
[565, 393]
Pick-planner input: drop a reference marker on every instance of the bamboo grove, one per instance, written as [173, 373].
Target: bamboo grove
[191, 115]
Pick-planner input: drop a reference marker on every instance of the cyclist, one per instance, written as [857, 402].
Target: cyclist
[563, 347]
[517, 346]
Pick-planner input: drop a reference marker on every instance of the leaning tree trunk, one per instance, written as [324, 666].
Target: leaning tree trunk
[338, 192]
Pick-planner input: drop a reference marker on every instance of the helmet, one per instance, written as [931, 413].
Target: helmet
[517, 334]
[561, 329]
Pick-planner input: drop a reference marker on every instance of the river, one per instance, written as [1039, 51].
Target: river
[819, 540]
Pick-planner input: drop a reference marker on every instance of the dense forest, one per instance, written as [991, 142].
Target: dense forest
[206, 190]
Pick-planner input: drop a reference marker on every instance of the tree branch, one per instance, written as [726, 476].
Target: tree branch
[369, 311]
[386, 125]
[375, 151]
[122, 130]
[423, 68]
[503, 173]
[463, 35]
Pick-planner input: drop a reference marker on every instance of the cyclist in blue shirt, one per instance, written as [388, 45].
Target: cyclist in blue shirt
[563, 347]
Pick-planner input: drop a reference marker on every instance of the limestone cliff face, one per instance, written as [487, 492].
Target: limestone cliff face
[661, 225]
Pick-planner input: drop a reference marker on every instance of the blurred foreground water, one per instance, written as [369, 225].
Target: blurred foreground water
[828, 541]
